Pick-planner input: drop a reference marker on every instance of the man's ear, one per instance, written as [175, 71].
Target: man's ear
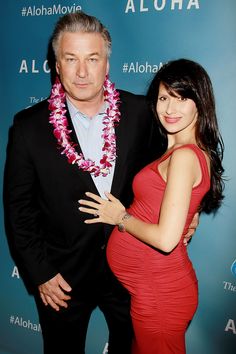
[57, 68]
[108, 67]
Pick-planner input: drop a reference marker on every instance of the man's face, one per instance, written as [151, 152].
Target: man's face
[82, 65]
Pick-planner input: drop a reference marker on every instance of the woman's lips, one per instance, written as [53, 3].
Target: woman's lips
[171, 120]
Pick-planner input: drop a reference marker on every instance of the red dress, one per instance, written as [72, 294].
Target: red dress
[163, 286]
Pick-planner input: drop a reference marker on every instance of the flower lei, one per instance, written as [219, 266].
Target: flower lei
[59, 121]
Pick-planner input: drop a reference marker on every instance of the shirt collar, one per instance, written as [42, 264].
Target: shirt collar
[74, 111]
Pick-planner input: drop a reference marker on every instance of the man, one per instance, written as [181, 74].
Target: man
[86, 139]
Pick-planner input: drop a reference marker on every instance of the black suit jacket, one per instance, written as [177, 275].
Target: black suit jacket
[42, 190]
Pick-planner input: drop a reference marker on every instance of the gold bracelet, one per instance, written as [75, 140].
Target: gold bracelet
[121, 226]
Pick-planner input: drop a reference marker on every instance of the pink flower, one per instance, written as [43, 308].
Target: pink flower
[72, 158]
[59, 121]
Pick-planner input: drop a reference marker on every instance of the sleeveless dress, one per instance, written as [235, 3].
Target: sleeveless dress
[163, 286]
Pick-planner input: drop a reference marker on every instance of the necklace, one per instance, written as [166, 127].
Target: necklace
[62, 134]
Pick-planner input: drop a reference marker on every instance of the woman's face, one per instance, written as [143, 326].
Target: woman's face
[175, 113]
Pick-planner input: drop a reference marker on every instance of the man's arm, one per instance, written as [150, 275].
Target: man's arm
[22, 212]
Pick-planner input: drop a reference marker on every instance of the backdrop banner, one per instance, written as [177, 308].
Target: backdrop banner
[145, 34]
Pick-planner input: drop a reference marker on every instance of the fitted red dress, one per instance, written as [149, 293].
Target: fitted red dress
[163, 286]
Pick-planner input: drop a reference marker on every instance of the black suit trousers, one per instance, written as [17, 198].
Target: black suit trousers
[64, 332]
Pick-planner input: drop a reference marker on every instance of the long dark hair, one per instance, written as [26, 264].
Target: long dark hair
[190, 80]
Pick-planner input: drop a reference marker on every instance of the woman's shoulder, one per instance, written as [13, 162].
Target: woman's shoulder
[191, 154]
[183, 153]
[190, 150]
[186, 149]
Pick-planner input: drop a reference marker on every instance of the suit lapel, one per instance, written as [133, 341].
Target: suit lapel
[121, 148]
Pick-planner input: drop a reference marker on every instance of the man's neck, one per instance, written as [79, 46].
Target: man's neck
[88, 108]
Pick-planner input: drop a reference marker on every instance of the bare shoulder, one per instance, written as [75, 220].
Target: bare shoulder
[184, 163]
[184, 154]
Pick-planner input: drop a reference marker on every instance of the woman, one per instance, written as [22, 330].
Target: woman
[146, 251]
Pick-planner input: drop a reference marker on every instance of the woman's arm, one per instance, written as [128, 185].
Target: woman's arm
[183, 172]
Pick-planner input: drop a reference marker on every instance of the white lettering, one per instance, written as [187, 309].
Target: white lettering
[64, 10]
[142, 8]
[24, 323]
[230, 326]
[56, 10]
[23, 67]
[48, 11]
[29, 12]
[43, 11]
[159, 8]
[180, 2]
[155, 68]
[130, 6]
[105, 350]
[140, 68]
[193, 3]
[45, 67]
[131, 68]
[229, 286]
[159, 5]
[18, 321]
[33, 67]
[15, 272]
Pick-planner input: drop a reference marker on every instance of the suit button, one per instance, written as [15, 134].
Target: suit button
[103, 247]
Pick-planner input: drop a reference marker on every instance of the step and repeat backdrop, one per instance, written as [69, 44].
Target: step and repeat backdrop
[145, 33]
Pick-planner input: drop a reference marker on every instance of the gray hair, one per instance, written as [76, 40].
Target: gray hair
[79, 22]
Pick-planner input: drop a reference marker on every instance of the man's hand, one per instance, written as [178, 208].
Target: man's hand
[53, 292]
[191, 229]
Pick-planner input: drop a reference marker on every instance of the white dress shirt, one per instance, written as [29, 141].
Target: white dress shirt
[89, 134]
